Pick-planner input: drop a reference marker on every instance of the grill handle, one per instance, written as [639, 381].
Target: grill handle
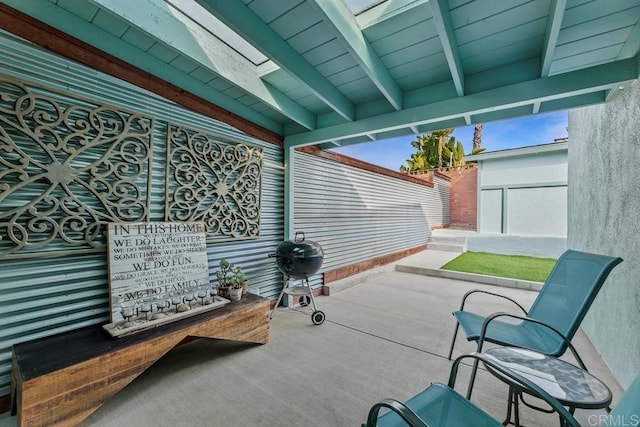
[296, 238]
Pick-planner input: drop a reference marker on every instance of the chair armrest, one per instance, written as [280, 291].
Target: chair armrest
[488, 320]
[410, 417]
[475, 291]
[530, 387]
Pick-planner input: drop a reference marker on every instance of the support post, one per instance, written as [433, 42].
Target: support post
[289, 225]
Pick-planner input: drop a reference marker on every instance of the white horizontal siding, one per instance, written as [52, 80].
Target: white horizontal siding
[357, 215]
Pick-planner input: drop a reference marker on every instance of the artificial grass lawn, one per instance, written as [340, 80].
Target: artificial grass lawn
[511, 266]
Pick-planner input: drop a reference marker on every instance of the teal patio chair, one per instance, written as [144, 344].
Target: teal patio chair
[439, 405]
[554, 317]
[626, 412]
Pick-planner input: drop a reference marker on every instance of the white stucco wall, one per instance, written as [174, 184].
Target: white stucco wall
[539, 168]
[523, 191]
[604, 212]
[540, 211]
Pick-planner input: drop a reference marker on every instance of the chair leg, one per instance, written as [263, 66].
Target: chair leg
[507, 419]
[572, 411]
[474, 370]
[453, 341]
[516, 409]
[472, 378]
[513, 405]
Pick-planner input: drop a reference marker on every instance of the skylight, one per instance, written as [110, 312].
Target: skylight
[358, 6]
[212, 24]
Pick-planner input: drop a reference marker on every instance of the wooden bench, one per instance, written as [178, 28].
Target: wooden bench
[62, 379]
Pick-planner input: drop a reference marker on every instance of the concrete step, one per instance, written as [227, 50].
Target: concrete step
[458, 240]
[447, 247]
[447, 243]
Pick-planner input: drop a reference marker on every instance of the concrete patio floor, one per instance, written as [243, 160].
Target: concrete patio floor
[387, 337]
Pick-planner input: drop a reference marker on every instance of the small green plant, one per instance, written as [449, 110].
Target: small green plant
[230, 276]
[238, 278]
[224, 273]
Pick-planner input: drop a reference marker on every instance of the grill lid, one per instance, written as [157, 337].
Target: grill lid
[299, 248]
[299, 258]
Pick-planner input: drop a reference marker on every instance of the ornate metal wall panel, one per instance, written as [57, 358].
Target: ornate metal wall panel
[213, 181]
[67, 166]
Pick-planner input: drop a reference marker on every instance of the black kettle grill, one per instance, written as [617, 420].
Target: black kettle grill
[298, 259]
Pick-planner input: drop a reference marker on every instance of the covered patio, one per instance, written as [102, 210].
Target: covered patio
[387, 337]
[89, 88]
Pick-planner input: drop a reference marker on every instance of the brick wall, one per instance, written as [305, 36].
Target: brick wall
[463, 199]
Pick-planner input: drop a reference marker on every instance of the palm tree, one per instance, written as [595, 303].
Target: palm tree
[430, 149]
[477, 139]
[477, 136]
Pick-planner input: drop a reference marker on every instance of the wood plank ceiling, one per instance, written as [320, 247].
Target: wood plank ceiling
[400, 67]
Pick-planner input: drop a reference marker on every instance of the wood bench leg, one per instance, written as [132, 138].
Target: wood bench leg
[14, 392]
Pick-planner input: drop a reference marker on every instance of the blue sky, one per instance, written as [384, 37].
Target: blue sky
[520, 132]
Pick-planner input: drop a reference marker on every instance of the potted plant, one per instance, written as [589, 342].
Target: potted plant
[238, 284]
[224, 275]
[232, 282]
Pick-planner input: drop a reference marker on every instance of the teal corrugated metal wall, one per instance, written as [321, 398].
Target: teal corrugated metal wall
[355, 214]
[40, 297]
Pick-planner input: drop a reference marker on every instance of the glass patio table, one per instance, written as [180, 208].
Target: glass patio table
[572, 386]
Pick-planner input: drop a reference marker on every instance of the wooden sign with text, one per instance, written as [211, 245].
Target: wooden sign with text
[153, 262]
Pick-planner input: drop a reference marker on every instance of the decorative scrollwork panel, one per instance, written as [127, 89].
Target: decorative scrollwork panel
[67, 166]
[213, 181]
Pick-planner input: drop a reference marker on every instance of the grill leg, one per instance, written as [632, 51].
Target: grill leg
[285, 283]
[313, 301]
